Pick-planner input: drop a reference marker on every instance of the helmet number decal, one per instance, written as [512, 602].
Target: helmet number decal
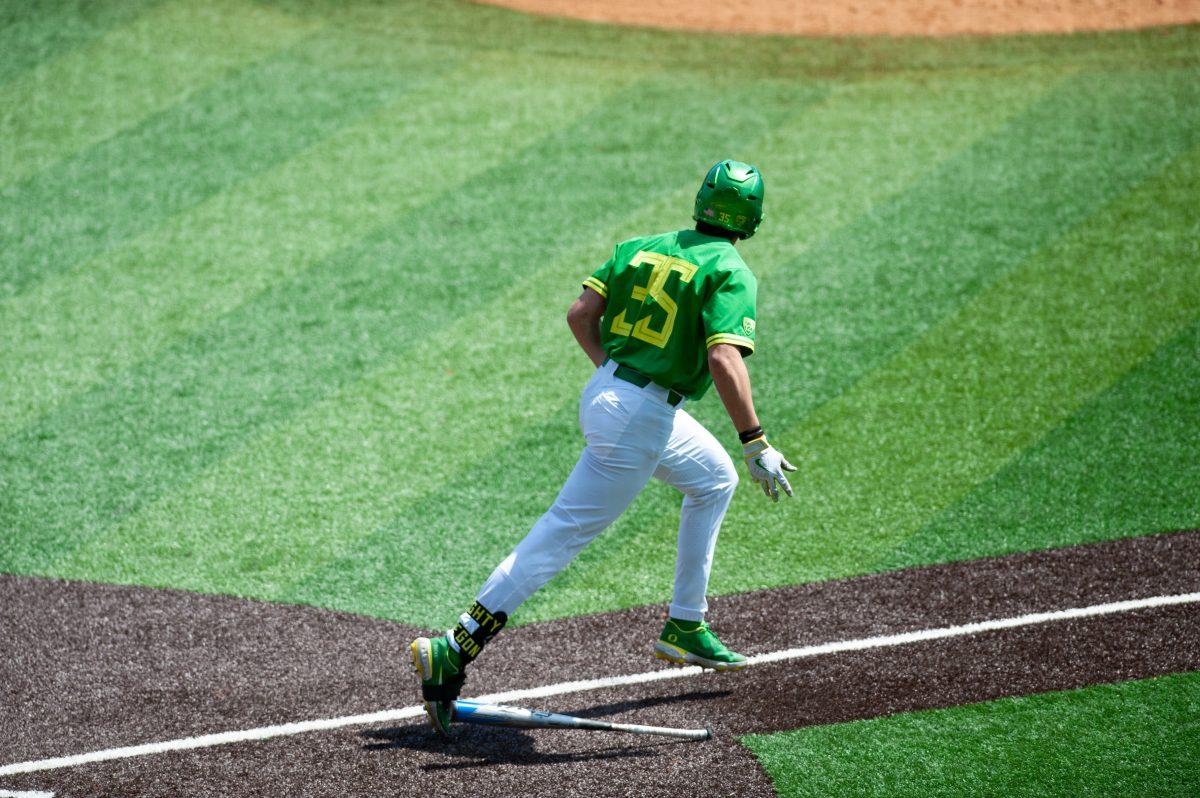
[652, 295]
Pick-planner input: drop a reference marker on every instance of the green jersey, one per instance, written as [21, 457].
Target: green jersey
[670, 298]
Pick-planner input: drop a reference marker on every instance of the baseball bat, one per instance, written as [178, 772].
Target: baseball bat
[498, 715]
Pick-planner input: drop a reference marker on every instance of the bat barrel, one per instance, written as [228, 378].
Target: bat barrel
[665, 731]
[498, 715]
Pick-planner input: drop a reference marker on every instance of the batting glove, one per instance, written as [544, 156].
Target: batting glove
[766, 465]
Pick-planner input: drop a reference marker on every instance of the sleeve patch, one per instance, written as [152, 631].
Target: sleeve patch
[748, 325]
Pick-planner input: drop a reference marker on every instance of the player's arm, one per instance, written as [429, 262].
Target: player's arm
[729, 325]
[732, 380]
[584, 320]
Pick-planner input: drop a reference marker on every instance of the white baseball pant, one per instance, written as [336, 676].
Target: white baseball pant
[632, 434]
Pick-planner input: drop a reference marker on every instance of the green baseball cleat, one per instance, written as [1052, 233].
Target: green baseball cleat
[442, 675]
[693, 643]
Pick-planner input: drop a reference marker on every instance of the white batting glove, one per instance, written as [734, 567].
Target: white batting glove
[766, 465]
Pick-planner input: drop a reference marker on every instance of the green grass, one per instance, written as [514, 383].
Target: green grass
[85, 95]
[1136, 738]
[282, 292]
[59, 26]
[261, 115]
[1122, 465]
[282, 289]
[902, 408]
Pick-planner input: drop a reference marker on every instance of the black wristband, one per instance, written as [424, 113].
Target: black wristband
[750, 434]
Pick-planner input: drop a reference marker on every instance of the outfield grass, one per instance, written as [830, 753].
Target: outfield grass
[1136, 738]
[258, 257]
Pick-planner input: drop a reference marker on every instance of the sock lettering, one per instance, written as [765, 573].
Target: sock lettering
[475, 628]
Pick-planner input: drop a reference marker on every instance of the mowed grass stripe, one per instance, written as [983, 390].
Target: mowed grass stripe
[868, 291]
[325, 327]
[327, 507]
[344, 489]
[232, 130]
[449, 516]
[131, 72]
[840, 309]
[109, 314]
[1134, 738]
[849, 161]
[529, 396]
[1126, 464]
[31, 35]
[925, 429]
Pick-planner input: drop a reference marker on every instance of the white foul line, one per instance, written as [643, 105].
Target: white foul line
[25, 794]
[881, 641]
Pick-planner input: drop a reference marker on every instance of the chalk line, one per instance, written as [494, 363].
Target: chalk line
[387, 715]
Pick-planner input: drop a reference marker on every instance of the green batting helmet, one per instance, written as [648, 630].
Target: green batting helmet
[731, 197]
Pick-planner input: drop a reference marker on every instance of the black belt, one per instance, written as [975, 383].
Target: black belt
[641, 380]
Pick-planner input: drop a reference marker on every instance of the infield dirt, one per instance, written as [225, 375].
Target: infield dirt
[94, 666]
[893, 18]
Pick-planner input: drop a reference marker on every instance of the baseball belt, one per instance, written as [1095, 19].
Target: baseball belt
[641, 380]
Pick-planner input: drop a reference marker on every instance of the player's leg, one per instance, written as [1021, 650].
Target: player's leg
[626, 431]
[695, 463]
[599, 489]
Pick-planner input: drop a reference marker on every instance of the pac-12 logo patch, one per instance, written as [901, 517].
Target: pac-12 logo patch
[748, 325]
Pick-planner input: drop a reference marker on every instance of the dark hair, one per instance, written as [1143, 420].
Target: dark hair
[719, 232]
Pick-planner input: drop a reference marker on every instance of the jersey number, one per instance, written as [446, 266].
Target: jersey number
[663, 266]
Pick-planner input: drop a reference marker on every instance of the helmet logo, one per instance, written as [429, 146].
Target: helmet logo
[709, 212]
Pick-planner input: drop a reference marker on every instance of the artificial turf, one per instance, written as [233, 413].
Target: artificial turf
[260, 256]
[59, 26]
[1135, 738]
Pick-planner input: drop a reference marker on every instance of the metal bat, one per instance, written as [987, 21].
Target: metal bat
[497, 715]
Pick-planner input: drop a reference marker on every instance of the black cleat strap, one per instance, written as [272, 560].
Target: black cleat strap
[447, 691]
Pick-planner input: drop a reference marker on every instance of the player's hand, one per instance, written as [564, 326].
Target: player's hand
[766, 465]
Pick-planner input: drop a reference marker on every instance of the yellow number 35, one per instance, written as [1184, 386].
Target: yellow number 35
[654, 290]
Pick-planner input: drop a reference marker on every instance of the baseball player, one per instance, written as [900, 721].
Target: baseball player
[665, 317]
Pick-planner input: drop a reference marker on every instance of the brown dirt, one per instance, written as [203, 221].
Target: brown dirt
[872, 17]
[92, 666]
